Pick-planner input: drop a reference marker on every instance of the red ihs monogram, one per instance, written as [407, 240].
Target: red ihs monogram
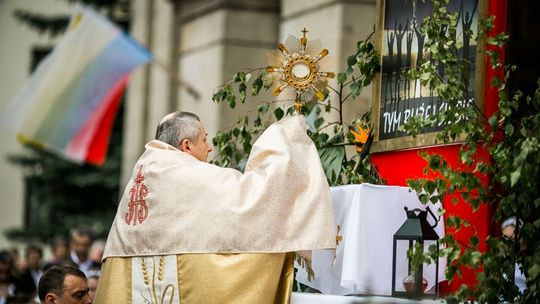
[138, 211]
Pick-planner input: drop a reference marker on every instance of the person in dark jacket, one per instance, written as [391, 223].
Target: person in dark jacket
[10, 287]
[30, 276]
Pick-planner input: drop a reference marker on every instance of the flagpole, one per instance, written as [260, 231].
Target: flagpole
[173, 54]
[179, 82]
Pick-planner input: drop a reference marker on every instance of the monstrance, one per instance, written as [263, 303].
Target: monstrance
[298, 66]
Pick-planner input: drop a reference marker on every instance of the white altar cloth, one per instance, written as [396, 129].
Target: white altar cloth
[368, 215]
[315, 298]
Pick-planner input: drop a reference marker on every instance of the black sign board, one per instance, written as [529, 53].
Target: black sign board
[401, 44]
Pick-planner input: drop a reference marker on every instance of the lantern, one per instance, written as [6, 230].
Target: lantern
[416, 231]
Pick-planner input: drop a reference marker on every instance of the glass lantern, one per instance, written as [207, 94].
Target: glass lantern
[417, 232]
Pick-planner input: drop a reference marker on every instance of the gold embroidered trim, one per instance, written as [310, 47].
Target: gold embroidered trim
[168, 288]
[305, 263]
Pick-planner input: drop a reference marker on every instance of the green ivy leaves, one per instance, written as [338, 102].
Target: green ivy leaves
[240, 81]
[367, 61]
[498, 165]
[332, 154]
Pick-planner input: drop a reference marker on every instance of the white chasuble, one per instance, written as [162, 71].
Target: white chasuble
[175, 204]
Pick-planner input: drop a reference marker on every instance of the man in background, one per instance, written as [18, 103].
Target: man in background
[508, 230]
[10, 289]
[59, 252]
[93, 279]
[81, 241]
[30, 276]
[63, 285]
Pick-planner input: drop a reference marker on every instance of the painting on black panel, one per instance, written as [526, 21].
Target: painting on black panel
[403, 48]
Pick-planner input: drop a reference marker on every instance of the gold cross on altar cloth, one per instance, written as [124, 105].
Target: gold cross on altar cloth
[339, 238]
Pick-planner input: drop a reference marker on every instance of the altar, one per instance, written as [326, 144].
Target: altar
[310, 298]
[367, 216]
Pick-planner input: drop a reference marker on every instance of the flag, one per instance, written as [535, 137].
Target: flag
[69, 103]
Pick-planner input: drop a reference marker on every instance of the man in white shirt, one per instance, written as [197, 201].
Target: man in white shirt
[81, 241]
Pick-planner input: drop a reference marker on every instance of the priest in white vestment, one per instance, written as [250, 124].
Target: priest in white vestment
[191, 232]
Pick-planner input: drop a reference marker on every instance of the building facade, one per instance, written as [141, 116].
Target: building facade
[205, 42]
[198, 46]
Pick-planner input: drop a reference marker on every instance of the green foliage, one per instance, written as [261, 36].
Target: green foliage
[53, 25]
[56, 25]
[330, 137]
[361, 68]
[504, 147]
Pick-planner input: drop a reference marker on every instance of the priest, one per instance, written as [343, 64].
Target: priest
[191, 232]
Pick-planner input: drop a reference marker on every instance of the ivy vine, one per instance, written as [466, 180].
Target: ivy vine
[498, 165]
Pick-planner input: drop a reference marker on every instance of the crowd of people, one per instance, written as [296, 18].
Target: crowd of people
[23, 279]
